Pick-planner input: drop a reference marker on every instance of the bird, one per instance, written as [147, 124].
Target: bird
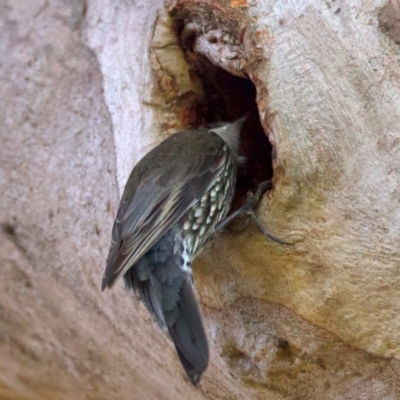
[172, 202]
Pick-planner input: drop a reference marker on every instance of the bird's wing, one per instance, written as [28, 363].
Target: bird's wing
[158, 203]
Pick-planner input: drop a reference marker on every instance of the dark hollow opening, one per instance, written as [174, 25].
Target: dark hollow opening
[228, 98]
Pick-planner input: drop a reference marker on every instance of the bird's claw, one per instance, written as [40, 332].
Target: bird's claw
[248, 209]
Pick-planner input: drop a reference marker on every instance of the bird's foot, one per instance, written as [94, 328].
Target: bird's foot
[248, 209]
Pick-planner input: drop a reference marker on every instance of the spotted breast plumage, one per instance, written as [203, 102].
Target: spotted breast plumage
[173, 199]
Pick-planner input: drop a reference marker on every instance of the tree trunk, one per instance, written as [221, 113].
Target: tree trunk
[87, 88]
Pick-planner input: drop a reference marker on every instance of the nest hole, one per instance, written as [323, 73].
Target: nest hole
[228, 98]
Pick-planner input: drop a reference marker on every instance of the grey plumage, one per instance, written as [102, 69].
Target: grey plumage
[172, 201]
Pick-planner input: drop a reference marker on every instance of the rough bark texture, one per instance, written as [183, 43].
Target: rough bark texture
[87, 88]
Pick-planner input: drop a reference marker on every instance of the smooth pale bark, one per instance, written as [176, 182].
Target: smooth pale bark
[88, 88]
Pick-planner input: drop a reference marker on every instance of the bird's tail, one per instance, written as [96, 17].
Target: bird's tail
[189, 336]
[167, 292]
